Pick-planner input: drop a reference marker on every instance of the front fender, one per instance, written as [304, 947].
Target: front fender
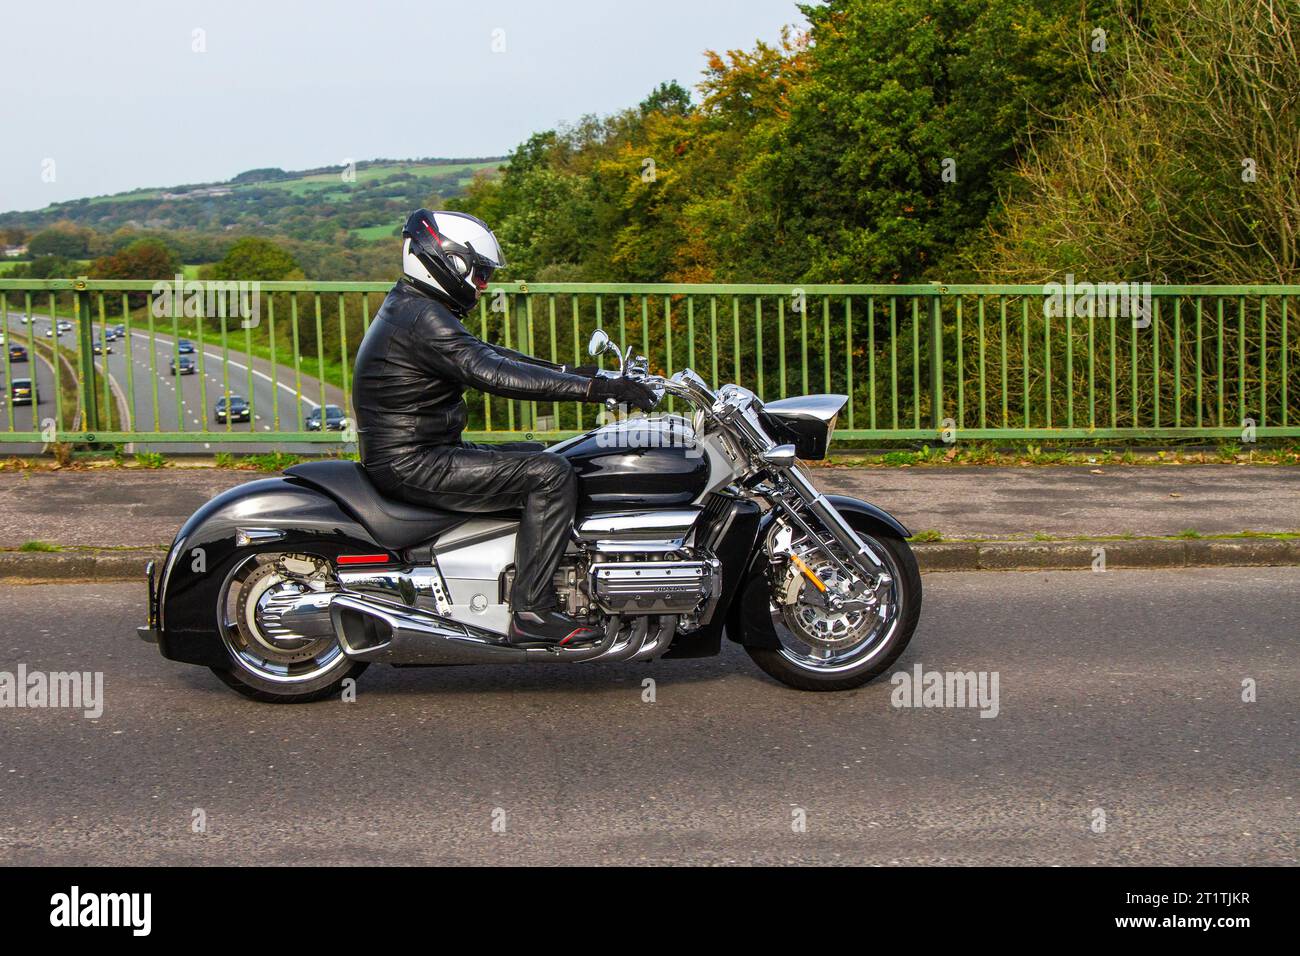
[881, 519]
[749, 622]
[206, 550]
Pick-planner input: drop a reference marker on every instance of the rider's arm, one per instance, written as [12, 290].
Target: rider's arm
[586, 371]
[521, 357]
[451, 351]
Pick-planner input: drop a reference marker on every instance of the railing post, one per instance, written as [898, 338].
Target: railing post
[936, 358]
[522, 316]
[86, 342]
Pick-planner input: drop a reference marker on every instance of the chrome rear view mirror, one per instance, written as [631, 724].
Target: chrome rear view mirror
[599, 342]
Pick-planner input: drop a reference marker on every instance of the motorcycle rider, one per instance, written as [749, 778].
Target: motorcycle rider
[413, 366]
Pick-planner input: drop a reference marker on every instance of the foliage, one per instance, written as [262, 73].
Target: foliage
[63, 238]
[893, 141]
[818, 158]
[38, 546]
[336, 222]
[897, 93]
[143, 259]
[46, 267]
[1179, 162]
[254, 259]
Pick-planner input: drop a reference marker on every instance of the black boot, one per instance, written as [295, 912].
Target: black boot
[549, 627]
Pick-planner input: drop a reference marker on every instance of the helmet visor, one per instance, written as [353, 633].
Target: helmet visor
[487, 251]
[481, 275]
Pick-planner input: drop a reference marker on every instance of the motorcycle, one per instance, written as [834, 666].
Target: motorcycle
[685, 530]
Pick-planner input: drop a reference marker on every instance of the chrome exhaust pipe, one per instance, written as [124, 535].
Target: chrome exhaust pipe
[372, 630]
[663, 637]
[369, 629]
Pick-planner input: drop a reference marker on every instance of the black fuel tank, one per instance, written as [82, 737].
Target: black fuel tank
[637, 463]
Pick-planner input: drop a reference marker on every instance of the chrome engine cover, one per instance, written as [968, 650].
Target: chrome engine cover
[654, 587]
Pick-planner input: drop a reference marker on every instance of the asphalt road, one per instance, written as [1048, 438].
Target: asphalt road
[25, 417]
[150, 376]
[1119, 692]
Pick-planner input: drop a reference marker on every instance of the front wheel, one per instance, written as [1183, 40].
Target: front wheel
[825, 650]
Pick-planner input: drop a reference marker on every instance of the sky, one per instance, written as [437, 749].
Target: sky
[100, 97]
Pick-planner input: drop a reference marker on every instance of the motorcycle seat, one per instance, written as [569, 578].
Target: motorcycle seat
[394, 524]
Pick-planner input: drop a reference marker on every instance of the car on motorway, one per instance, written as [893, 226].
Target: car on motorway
[334, 419]
[184, 346]
[100, 348]
[110, 334]
[23, 392]
[119, 331]
[183, 365]
[17, 353]
[61, 326]
[239, 410]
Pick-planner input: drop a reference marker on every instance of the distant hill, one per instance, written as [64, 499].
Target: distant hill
[367, 201]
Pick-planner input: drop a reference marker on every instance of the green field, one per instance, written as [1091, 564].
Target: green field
[373, 233]
[8, 265]
[332, 181]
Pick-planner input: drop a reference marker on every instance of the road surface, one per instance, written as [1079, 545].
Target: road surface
[1120, 701]
[150, 374]
[31, 417]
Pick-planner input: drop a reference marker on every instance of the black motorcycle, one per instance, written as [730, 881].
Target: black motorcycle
[288, 586]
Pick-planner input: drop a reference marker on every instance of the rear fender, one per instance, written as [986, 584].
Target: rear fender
[293, 516]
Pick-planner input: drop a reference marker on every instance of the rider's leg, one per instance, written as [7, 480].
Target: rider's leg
[480, 478]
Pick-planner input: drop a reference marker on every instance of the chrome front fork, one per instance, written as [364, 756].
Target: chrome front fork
[866, 566]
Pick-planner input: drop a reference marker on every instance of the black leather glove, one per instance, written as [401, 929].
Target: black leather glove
[624, 391]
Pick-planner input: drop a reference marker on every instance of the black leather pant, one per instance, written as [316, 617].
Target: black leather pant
[486, 478]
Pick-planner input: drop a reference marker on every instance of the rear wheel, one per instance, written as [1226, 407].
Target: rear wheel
[825, 649]
[282, 649]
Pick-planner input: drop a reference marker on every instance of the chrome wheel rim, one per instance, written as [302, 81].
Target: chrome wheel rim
[828, 642]
[279, 658]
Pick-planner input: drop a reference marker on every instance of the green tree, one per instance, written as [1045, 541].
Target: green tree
[46, 267]
[1178, 164]
[670, 97]
[257, 260]
[64, 238]
[142, 259]
[905, 131]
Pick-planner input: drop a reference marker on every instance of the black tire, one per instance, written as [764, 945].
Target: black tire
[248, 674]
[773, 663]
[248, 685]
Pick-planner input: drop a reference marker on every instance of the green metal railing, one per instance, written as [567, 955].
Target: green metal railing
[918, 361]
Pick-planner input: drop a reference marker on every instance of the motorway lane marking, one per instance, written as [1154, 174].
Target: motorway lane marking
[257, 372]
[311, 405]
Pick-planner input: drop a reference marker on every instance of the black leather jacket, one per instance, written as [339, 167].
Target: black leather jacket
[414, 366]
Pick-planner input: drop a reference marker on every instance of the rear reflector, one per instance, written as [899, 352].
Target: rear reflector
[362, 559]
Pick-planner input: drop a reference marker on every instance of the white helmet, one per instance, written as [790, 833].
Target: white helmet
[451, 255]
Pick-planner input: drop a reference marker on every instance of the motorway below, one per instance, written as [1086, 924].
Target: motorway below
[1119, 692]
[149, 377]
[30, 417]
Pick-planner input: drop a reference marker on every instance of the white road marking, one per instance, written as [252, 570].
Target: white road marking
[259, 374]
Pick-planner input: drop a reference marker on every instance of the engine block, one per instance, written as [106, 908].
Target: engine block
[653, 587]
